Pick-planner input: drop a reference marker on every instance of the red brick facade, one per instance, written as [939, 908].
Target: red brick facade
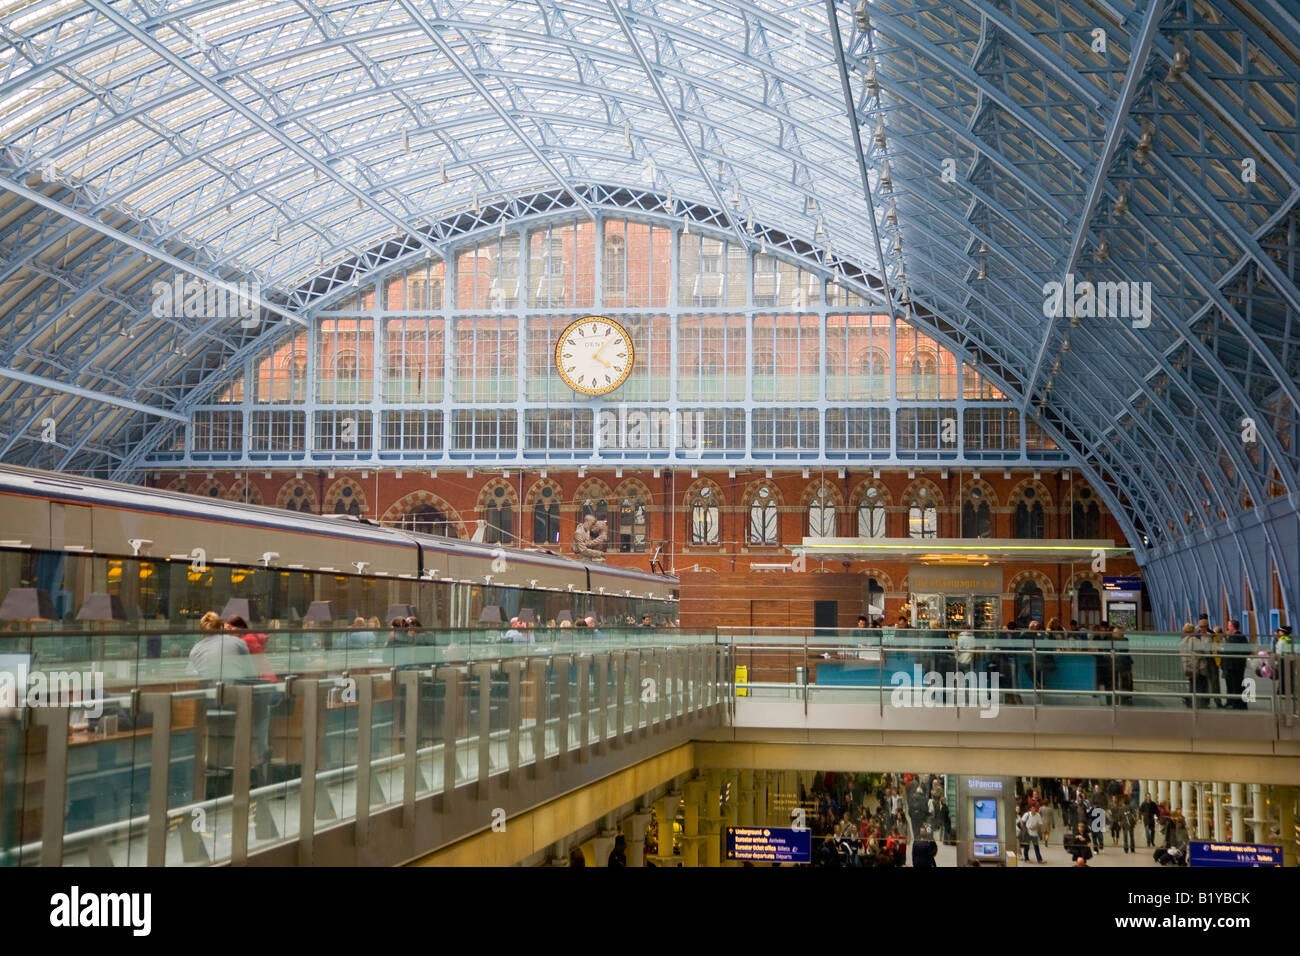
[464, 499]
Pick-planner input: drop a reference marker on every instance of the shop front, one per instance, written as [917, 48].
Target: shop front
[953, 597]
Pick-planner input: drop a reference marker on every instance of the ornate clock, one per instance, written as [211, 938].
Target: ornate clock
[594, 355]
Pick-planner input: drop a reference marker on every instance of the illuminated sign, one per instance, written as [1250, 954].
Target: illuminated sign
[1234, 854]
[1121, 584]
[974, 784]
[769, 844]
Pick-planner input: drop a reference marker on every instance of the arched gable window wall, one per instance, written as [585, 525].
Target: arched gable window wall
[739, 356]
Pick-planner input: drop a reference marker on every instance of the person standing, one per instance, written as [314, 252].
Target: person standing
[1127, 823]
[1032, 822]
[1097, 821]
[1235, 645]
[1195, 665]
[618, 855]
[924, 850]
[1047, 813]
[1149, 811]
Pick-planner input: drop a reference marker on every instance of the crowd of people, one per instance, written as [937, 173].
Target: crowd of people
[1215, 660]
[1087, 810]
[866, 821]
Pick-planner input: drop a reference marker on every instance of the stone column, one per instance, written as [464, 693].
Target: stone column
[731, 816]
[711, 821]
[1284, 797]
[601, 846]
[1258, 815]
[693, 794]
[1188, 802]
[1219, 829]
[1175, 796]
[1162, 793]
[665, 814]
[745, 807]
[634, 828]
[1237, 803]
[1202, 823]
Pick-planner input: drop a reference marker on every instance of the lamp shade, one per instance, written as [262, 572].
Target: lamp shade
[491, 614]
[241, 607]
[320, 612]
[27, 604]
[399, 610]
[527, 616]
[101, 607]
[565, 615]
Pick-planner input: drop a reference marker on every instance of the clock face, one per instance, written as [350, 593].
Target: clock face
[594, 355]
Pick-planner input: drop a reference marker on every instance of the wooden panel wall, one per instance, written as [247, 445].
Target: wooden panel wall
[767, 598]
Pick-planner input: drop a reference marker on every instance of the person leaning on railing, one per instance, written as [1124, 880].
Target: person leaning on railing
[1195, 663]
[1123, 666]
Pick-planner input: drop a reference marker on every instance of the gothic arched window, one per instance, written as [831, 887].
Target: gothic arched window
[871, 515]
[703, 527]
[764, 524]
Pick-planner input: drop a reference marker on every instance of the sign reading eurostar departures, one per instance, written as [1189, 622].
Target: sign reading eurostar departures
[1234, 854]
[769, 844]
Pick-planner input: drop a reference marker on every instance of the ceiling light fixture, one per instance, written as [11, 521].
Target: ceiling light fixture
[1121, 201]
[1146, 143]
[1181, 62]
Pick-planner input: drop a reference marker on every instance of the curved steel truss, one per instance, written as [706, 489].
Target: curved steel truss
[1146, 152]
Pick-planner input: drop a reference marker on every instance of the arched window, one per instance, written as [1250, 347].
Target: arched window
[546, 518]
[704, 518]
[764, 525]
[615, 264]
[631, 531]
[498, 518]
[298, 500]
[871, 515]
[976, 517]
[428, 519]
[922, 516]
[764, 362]
[875, 601]
[821, 515]
[599, 508]
[1030, 521]
[347, 504]
[873, 363]
[1029, 603]
[1086, 515]
[1087, 604]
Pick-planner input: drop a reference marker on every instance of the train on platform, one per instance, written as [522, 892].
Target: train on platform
[168, 557]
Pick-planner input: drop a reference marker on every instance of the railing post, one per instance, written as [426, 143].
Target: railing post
[55, 799]
[160, 707]
[307, 689]
[365, 733]
[410, 683]
[601, 666]
[241, 780]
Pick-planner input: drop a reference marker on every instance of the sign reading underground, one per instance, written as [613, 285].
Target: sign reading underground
[769, 844]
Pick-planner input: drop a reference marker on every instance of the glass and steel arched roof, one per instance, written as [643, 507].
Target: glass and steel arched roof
[951, 158]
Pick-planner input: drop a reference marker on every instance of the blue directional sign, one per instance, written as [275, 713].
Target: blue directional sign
[1234, 854]
[769, 844]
